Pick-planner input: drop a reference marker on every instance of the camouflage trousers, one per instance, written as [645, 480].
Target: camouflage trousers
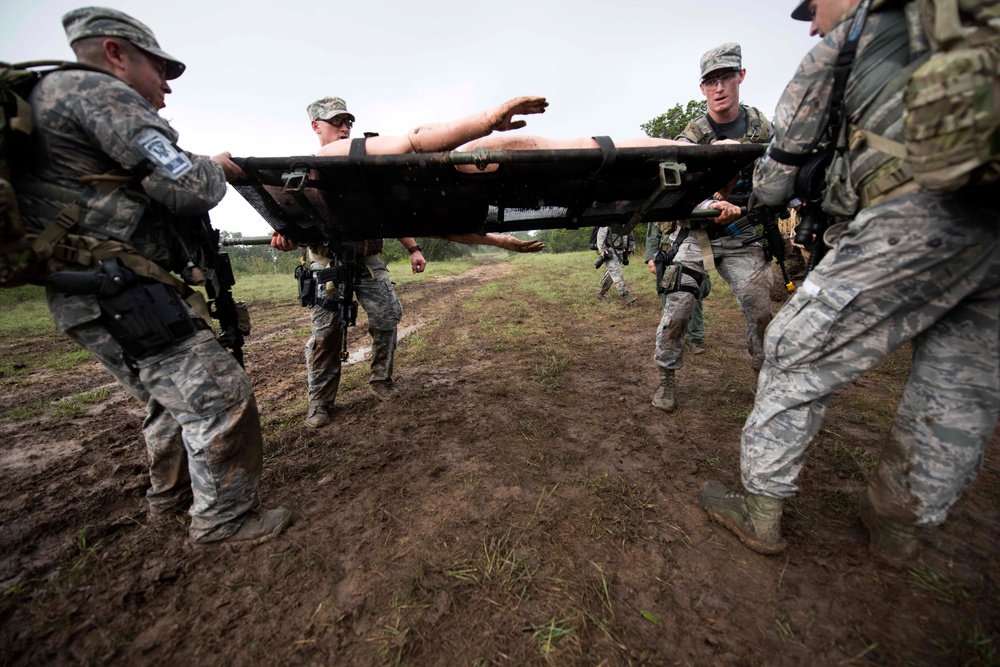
[376, 295]
[749, 276]
[614, 273]
[920, 268]
[202, 428]
[696, 327]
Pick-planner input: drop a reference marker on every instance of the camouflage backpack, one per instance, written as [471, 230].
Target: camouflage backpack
[25, 255]
[952, 101]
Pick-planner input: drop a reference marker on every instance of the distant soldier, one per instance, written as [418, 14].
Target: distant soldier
[614, 250]
[700, 249]
[104, 157]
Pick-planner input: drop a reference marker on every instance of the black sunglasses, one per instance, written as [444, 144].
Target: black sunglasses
[338, 121]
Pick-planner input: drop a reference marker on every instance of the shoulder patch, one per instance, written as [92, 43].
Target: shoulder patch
[161, 151]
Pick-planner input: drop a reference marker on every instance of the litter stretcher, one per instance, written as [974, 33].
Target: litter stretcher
[330, 200]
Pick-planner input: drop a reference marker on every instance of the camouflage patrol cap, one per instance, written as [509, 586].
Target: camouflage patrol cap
[327, 108]
[724, 57]
[103, 22]
[801, 12]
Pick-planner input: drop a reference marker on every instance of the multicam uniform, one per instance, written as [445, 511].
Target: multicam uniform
[742, 267]
[201, 414]
[376, 295]
[910, 267]
[619, 244]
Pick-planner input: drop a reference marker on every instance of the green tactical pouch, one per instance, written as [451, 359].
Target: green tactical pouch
[840, 198]
[952, 120]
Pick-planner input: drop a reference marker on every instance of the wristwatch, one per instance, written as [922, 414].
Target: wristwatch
[414, 249]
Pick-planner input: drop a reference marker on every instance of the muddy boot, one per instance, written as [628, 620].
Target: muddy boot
[319, 416]
[892, 542]
[384, 390]
[755, 519]
[696, 348]
[629, 298]
[664, 397]
[259, 526]
[602, 298]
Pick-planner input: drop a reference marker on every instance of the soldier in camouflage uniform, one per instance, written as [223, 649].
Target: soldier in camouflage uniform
[202, 428]
[904, 266]
[704, 248]
[614, 248]
[331, 121]
[661, 236]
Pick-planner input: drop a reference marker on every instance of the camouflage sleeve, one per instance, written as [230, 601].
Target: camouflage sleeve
[602, 238]
[653, 236]
[116, 118]
[800, 118]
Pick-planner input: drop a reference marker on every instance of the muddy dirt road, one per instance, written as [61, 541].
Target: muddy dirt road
[520, 504]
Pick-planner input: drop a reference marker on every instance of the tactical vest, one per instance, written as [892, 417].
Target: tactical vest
[865, 169]
[317, 253]
[758, 128]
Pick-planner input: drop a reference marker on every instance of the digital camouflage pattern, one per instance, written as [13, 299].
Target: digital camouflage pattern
[89, 123]
[919, 268]
[377, 296]
[726, 56]
[661, 235]
[745, 271]
[103, 22]
[742, 267]
[613, 270]
[327, 108]
[202, 426]
[863, 174]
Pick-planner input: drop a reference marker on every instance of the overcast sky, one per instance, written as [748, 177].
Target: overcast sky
[605, 66]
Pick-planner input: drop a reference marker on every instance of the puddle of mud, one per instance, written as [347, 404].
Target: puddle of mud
[365, 352]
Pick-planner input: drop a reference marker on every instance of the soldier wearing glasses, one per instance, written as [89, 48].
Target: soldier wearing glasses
[704, 248]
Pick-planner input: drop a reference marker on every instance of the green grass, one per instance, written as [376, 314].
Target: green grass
[23, 310]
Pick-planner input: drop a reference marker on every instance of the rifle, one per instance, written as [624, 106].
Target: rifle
[342, 272]
[603, 258]
[218, 279]
[773, 241]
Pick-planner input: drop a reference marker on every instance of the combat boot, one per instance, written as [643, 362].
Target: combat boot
[259, 526]
[629, 298]
[384, 390]
[755, 519]
[664, 397]
[319, 416]
[602, 298]
[892, 542]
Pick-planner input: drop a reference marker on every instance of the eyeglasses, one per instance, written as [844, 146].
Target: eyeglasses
[338, 121]
[724, 79]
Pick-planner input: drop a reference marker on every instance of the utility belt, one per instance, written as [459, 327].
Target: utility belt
[328, 287]
[143, 315]
[669, 274]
